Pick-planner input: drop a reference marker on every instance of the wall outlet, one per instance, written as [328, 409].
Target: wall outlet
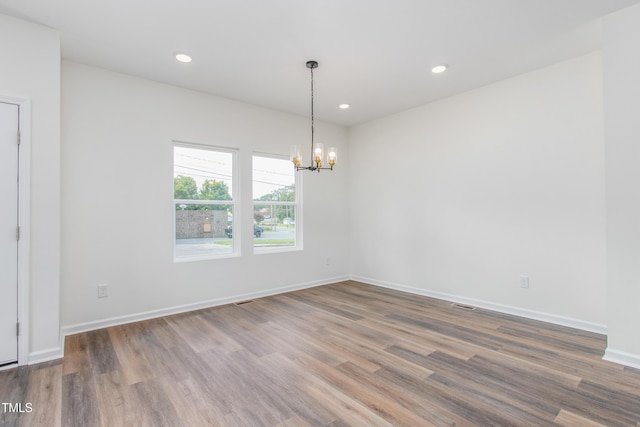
[103, 291]
[328, 261]
[524, 281]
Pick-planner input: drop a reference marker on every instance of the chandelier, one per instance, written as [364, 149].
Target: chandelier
[318, 153]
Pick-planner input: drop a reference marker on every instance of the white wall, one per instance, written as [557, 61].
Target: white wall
[117, 212]
[460, 197]
[30, 69]
[622, 130]
[468, 193]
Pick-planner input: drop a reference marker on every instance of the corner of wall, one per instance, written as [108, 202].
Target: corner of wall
[622, 358]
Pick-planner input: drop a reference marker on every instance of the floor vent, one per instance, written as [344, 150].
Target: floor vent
[462, 306]
[245, 302]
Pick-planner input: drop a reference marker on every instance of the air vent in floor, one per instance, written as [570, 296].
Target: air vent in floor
[462, 306]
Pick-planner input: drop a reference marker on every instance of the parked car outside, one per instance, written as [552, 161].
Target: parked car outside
[257, 231]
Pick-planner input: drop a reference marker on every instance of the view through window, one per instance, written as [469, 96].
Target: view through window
[276, 210]
[203, 194]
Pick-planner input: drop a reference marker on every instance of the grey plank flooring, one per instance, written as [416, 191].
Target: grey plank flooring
[346, 354]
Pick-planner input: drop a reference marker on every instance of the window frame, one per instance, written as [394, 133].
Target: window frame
[234, 202]
[297, 204]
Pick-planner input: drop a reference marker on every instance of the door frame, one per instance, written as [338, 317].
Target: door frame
[24, 204]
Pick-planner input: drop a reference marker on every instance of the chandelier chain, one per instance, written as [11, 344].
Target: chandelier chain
[312, 128]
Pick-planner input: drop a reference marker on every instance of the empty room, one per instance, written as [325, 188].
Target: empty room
[331, 213]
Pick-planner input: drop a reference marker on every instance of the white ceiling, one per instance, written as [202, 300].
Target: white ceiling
[373, 54]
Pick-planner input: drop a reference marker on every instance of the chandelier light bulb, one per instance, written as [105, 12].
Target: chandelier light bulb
[332, 155]
[296, 157]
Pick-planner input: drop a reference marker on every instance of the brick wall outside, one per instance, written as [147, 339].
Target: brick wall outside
[199, 224]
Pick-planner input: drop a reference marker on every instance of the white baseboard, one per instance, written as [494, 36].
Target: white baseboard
[622, 358]
[45, 355]
[136, 317]
[516, 311]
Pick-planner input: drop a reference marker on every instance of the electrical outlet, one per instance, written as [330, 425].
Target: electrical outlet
[103, 291]
[524, 281]
[328, 261]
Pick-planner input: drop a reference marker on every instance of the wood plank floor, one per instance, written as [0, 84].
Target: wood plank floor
[337, 355]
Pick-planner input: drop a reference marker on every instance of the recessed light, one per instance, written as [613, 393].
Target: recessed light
[183, 57]
[344, 106]
[439, 69]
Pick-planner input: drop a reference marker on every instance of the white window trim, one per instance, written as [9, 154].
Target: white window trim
[235, 201]
[298, 205]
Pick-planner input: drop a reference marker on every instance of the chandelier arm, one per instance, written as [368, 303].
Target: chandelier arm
[313, 168]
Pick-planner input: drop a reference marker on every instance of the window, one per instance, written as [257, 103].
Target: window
[204, 202]
[276, 210]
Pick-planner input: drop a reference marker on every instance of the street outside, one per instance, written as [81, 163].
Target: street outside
[222, 245]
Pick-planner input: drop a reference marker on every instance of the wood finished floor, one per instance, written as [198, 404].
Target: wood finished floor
[336, 355]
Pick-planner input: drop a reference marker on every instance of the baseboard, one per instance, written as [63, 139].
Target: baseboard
[516, 311]
[45, 355]
[622, 358]
[136, 317]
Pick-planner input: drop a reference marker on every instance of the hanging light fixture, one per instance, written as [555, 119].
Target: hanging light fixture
[318, 153]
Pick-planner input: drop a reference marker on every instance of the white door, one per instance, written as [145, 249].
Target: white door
[8, 232]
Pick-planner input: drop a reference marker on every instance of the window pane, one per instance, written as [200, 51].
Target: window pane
[275, 204]
[202, 174]
[203, 200]
[202, 230]
[273, 179]
[275, 225]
